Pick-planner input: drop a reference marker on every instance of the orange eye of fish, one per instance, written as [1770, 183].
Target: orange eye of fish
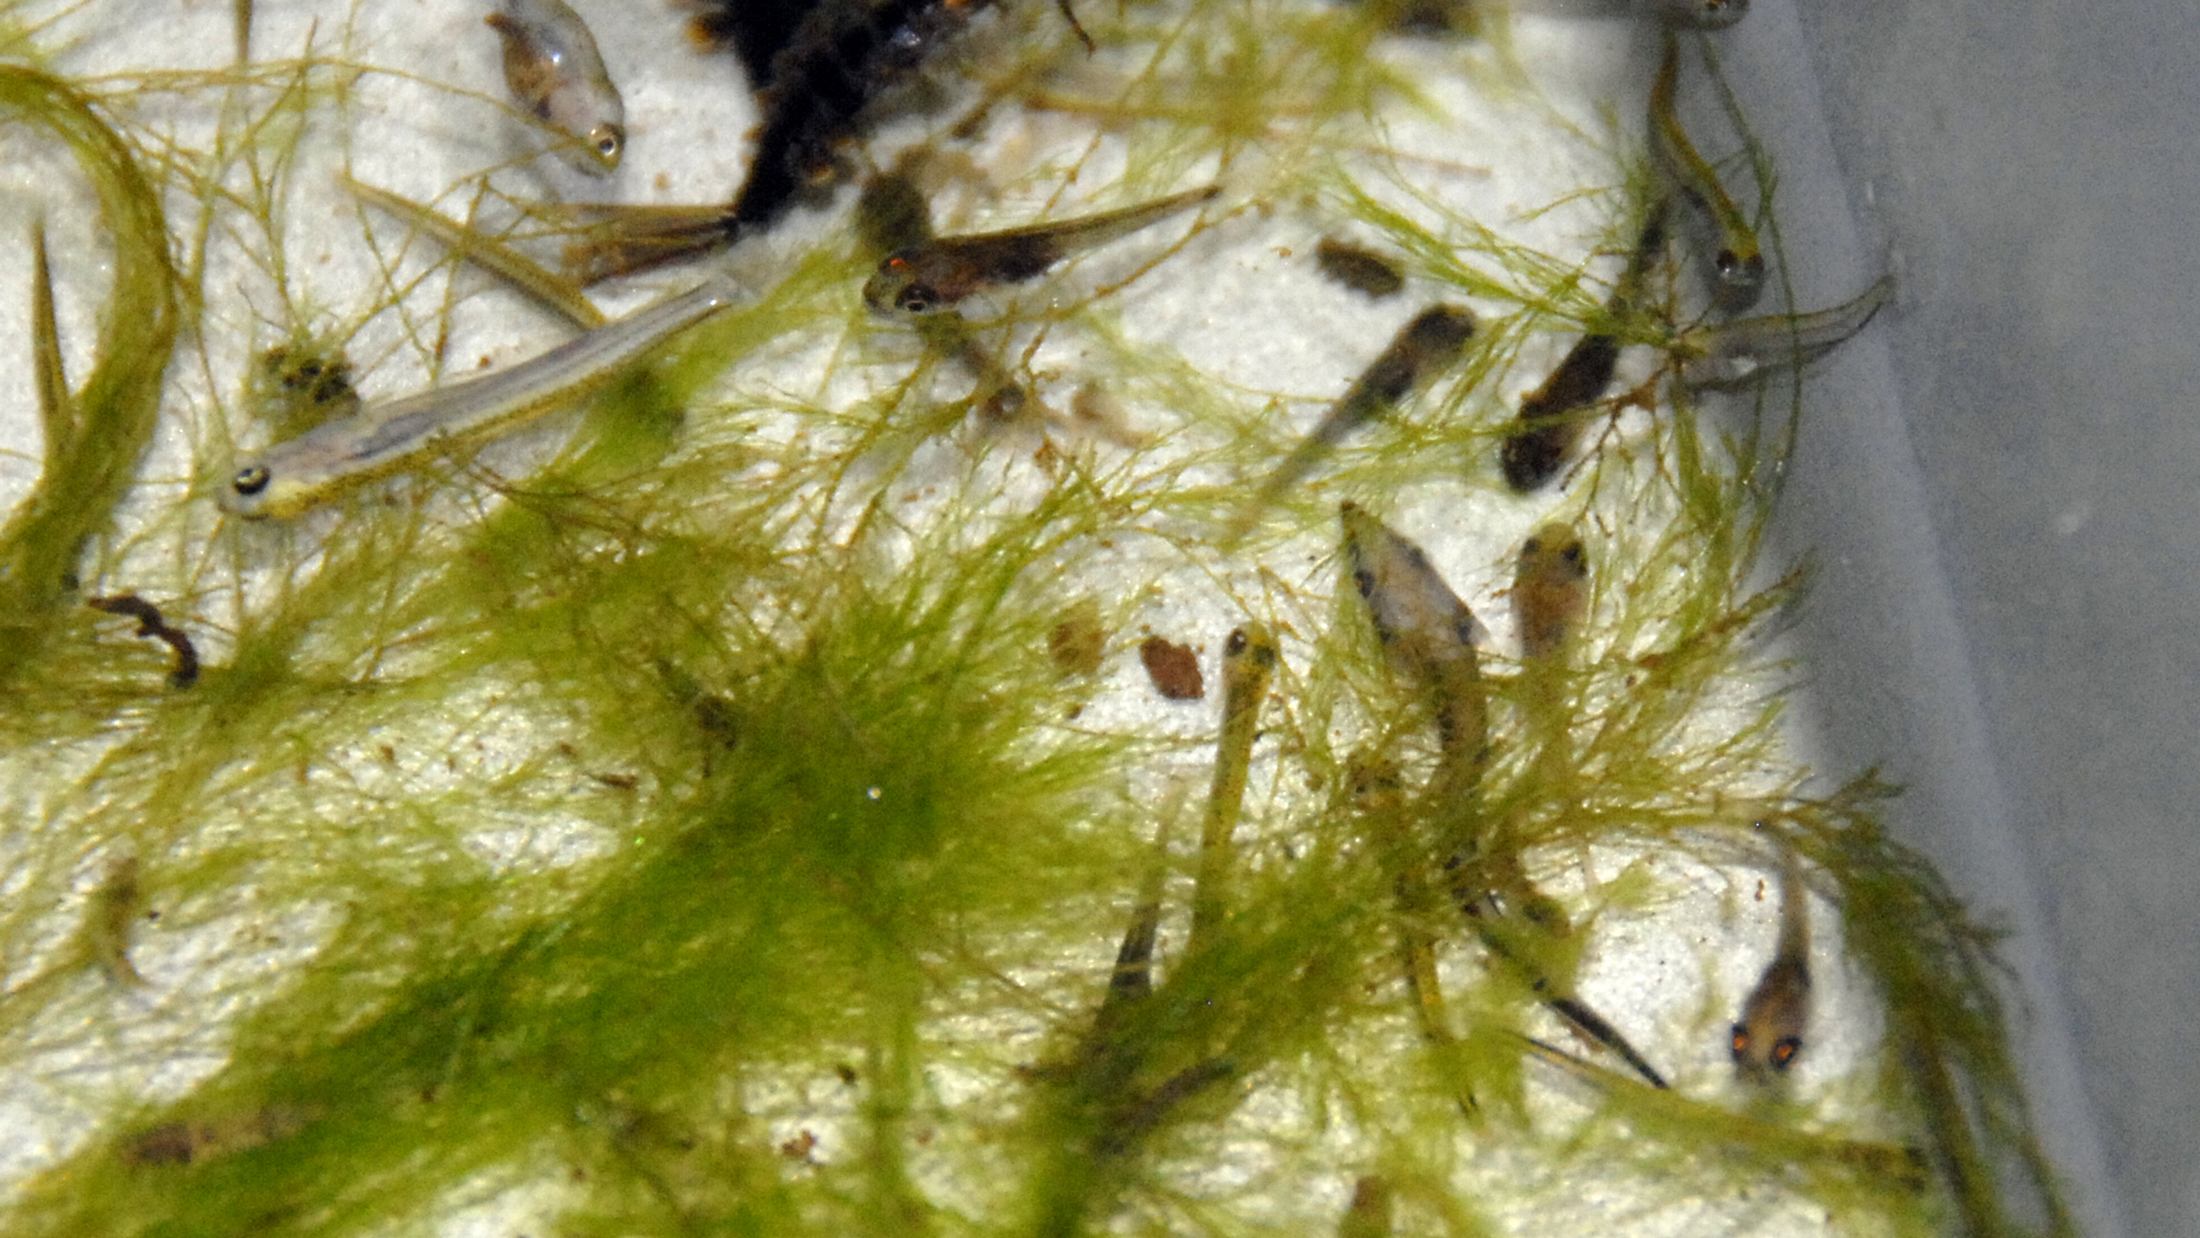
[897, 264]
[1741, 1042]
[1784, 1051]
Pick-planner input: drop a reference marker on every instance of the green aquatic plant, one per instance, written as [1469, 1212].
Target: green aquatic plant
[691, 818]
[95, 436]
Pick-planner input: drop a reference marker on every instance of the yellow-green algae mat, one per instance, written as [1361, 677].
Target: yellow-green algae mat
[723, 810]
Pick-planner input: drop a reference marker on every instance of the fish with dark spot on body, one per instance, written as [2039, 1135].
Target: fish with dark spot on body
[552, 66]
[932, 276]
[1769, 1034]
[1738, 264]
[1551, 418]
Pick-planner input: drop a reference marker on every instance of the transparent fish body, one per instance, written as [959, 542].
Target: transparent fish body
[1729, 354]
[390, 436]
[1738, 262]
[553, 68]
[926, 278]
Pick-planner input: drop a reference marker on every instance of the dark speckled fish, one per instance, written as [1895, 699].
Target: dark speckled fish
[1552, 417]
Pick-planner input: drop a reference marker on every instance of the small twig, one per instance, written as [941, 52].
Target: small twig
[151, 624]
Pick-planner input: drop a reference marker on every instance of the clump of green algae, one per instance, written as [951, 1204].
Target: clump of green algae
[840, 836]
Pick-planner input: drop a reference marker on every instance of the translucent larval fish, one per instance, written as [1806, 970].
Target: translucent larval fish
[1249, 661]
[1680, 14]
[1428, 633]
[1424, 348]
[1730, 354]
[393, 435]
[933, 276]
[1769, 1034]
[553, 68]
[1738, 264]
[1430, 637]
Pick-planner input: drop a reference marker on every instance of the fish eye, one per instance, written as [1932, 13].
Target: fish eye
[1576, 555]
[1534, 545]
[1237, 644]
[917, 299]
[1741, 1042]
[251, 479]
[1365, 580]
[1784, 1051]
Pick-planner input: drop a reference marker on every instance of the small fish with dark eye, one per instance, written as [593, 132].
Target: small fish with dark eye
[1550, 591]
[553, 68]
[1721, 356]
[1427, 632]
[1738, 264]
[1769, 1034]
[925, 279]
[1424, 348]
[1552, 417]
[1249, 661]
[391, 436]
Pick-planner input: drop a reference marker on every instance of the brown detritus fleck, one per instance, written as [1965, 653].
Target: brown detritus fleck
[1173, 668]
[1369, 1215]
[1077, 643]
[185, 1143]
[1362, 270]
